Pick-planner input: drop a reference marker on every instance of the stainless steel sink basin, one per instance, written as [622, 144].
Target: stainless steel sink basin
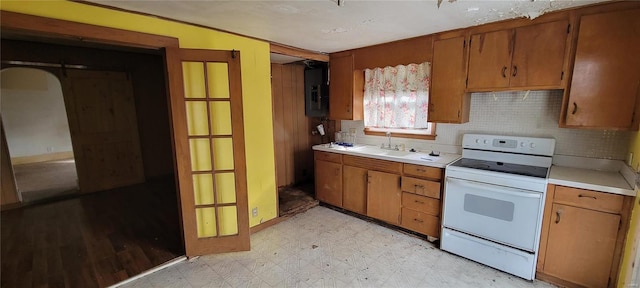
[396, 153]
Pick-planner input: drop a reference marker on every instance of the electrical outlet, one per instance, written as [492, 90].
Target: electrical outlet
[254, 212]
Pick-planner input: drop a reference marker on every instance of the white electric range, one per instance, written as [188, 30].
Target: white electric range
[494, 200]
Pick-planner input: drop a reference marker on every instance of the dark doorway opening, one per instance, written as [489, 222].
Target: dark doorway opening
[99, 238]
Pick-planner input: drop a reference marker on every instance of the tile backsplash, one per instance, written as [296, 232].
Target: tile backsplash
[516, 113]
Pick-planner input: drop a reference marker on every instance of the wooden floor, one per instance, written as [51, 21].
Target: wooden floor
[91, 241]
[44, 180]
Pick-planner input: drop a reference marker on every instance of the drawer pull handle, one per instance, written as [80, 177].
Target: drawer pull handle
[575, 108]
[419, 186]
[417, 220]
[557, 217]
[420, 170]
[419, 202]
[587, 196]
[504, 72]
[515, 71]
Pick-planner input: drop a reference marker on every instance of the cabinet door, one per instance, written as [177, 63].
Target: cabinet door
[384, 198]
[606, 73]
[581, 245]
[447, 94]
[538, 58]
[341, 88]
[490, 59]
[354, 192]
[329, 182]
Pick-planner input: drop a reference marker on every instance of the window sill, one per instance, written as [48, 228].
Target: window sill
[403, 135]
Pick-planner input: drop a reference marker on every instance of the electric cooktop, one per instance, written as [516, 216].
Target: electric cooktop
[502, 167]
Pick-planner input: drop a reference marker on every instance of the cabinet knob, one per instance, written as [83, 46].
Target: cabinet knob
[515, 71]
[558, 216]
[504, 71]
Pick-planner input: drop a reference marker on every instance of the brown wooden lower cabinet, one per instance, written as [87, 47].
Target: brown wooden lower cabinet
[421, 199]
[581, 245]
[354, 189]
[380, 190]
[583, 235]
[329, 182]
[384, 197]
[420, 222]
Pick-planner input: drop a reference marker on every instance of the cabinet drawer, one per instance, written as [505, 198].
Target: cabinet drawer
[421, 187]
[326, 156]
[419, 203]
[420, 222]
[589, 199]
[373, 164]
[423, 171]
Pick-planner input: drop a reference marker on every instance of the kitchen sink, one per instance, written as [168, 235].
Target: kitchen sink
[396, 153]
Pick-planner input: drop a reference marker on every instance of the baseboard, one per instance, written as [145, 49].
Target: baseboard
[10, 206]
[267, 224]
[150, 271]
[555, 280]
[42, 158]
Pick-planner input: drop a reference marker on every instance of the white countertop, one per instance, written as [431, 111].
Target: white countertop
[418, 158]
[597, 180]
[613, 178]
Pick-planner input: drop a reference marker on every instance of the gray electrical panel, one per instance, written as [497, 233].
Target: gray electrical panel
[316, 90]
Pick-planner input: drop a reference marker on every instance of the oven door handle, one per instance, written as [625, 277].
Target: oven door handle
[492, 188]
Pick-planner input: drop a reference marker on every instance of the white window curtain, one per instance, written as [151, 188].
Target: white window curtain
[397, 97]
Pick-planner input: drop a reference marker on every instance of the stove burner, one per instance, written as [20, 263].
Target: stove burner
[525, 170]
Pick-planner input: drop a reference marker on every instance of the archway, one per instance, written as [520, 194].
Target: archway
[37, 131]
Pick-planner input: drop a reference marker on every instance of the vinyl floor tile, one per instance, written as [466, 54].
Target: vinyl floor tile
[325, 248]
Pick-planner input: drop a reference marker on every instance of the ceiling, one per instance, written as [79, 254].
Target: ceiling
[324, 26]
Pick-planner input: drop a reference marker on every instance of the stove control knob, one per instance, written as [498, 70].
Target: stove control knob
[522, 144]
[477, 141]
[532, 145]
[485, 141]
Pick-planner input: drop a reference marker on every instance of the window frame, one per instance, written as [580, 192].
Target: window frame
[375, 131]
[410, 133]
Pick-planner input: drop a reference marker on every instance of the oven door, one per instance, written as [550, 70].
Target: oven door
[497, 213]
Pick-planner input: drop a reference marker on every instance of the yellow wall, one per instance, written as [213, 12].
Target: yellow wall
[256, 83]
[631, 246]
[634, 148]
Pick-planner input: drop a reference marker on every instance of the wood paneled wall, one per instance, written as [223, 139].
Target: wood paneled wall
[147, 72]
[292, 129]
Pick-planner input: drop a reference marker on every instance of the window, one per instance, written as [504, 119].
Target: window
[396, 100]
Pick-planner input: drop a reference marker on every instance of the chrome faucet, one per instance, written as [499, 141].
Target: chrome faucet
[388, 147]
[389, 137]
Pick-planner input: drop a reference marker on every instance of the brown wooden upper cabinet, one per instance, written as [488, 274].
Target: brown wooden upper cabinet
[605, 84]
[346, 86]
[448, 101]
[525, 57]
